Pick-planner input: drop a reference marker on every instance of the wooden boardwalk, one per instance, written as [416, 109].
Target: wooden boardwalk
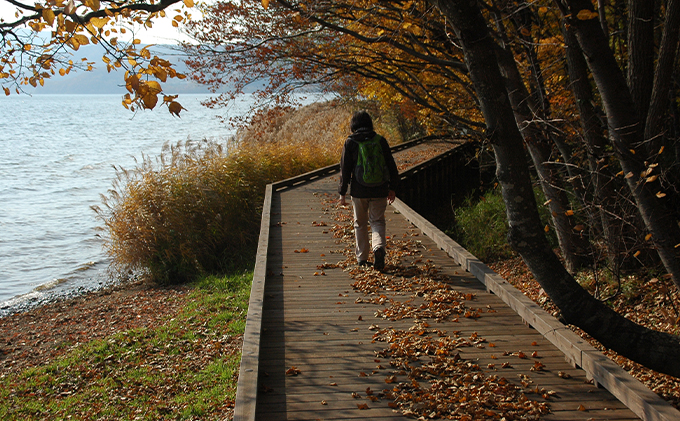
[317, 358]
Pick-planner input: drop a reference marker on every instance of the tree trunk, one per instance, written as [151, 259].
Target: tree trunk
[602, 180]
[626, 130]
[656, 350]
[640, 53]
[574, 247]
[663, 77]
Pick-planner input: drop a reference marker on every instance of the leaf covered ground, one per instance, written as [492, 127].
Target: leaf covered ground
[134, 352]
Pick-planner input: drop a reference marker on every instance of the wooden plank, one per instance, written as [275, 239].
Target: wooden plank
[642, 401]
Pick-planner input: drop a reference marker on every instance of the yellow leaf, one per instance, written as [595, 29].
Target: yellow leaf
[629, 175]
[154, 86]
[48, 15]
[28, 47]
[189, 3]
[660, 195]
[569, 212]
[175, 24]
[6, 91]
[661, 150]
[95, 4]
[265, 4]
[99, 22]
[136, 41]
[636, 254]
[582, 408]
[547, 228]
[579, 228]
[161, 74]
[82, 39]
[651, 178]
[586, 14]
[62, 72]
[648, 237]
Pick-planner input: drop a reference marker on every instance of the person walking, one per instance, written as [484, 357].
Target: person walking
[368, 169]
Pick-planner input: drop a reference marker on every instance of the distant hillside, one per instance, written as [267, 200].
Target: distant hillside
[99, 81]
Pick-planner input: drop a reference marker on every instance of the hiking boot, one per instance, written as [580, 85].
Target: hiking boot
[363, 263]
[379, 255]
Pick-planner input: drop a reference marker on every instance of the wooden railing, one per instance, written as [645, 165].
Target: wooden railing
[446, 178]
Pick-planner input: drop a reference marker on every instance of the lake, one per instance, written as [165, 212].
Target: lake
[57, 157]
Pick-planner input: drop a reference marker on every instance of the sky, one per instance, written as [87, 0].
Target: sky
[162, 31]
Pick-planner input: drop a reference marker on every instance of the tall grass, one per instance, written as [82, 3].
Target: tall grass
[196, 208]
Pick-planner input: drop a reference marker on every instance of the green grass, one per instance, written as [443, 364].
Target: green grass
[481, 227]
[185, 368]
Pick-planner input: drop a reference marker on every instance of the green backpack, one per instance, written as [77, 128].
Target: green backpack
[371, 169]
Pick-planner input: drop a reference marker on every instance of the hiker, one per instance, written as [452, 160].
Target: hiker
[368, 169]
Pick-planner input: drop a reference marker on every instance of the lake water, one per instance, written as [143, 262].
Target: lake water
[56, 158]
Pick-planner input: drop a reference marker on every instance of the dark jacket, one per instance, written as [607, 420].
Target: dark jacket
[350, 155]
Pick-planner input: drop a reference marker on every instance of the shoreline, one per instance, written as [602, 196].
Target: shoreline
[41, 295]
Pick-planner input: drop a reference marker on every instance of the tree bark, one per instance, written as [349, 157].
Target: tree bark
[656, 350]
[640, 53]
[659, 102]
[603, 182]
[626, 131]
[574, 247]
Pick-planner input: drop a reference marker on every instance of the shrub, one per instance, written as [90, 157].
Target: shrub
[482, 227]
[196, 208]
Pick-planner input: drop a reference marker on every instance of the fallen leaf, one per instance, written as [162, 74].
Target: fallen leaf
[293, 371]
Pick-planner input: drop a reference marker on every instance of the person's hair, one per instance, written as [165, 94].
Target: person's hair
[361, 120]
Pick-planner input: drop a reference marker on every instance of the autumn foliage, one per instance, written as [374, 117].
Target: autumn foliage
[39, 41]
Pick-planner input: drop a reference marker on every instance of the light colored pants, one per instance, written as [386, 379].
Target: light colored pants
[369, 210]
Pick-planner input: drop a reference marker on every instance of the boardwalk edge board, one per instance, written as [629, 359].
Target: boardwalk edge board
[631, 392]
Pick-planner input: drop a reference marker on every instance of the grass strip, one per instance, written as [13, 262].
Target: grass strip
[184, 368]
